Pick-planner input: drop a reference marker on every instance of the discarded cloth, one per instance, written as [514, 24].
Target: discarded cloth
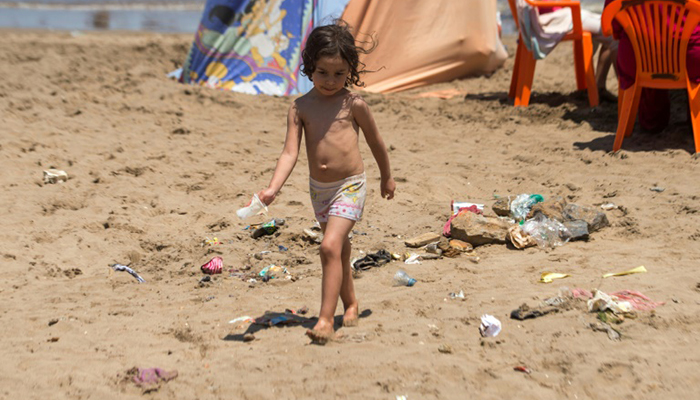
[372, 260]
[151, 378]
[447, 229]
[541, 33]
[525, 312]
[637, 300]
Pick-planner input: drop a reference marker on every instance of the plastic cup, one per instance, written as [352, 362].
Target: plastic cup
[255, 207]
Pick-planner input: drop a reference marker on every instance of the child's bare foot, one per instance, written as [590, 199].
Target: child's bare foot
[322, 333]
[350, 318]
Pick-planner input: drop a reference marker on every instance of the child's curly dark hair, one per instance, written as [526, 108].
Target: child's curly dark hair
[332, 40]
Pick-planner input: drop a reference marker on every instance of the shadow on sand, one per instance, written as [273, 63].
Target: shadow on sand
[272, 319]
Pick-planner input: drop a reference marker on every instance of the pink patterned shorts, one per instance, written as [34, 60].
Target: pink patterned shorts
[344, 198]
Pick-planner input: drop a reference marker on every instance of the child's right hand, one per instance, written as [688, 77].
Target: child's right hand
[267, 196]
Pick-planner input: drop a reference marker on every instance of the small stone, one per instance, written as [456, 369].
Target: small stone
[53, 321]
[594, 218]
[248, 337]
[445, 349]
[552, 208]
[477, 229]
[657, 189]
[578, 229]
[502, 207]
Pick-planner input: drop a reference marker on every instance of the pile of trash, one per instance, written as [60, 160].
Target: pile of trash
[525, 220]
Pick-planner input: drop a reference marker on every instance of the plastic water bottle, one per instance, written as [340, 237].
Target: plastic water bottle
[402, 279]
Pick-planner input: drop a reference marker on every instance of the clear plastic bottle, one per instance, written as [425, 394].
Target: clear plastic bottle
[402, 279]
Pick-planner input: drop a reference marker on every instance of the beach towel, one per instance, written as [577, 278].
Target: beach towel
[542, 33]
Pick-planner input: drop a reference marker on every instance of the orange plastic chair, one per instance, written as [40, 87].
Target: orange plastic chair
[659, 31]
[524, 67]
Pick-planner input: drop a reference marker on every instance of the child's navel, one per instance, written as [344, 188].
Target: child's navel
[324, 167]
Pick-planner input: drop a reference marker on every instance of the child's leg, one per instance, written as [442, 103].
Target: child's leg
[347, 289]
[335, 234]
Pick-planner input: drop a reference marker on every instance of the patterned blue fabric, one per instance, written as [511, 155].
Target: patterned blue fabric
[249, 46]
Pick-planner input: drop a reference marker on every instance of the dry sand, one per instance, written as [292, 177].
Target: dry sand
[156, 167]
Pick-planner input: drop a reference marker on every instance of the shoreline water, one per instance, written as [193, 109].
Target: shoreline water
[177, 16]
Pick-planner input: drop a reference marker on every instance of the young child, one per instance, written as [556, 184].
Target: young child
[329, 117]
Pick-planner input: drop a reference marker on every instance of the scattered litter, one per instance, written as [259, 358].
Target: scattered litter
[268, 228]
[150, 379]
[402, 279]
[213, 266]
[525, 312]
[458, 206]
[274, 271]
[120, 267]
[372, 260]
[602, 301]
[548, 277]
[459, 295]
[490, 326]
[174, 74]
[657, 189]
[637, 270]
[282, 248]
[55, 176]
[413, 258]
[212, 242]
[608, 206]
[637, 300]
[613, 334]
[242, 319]
[521, 368]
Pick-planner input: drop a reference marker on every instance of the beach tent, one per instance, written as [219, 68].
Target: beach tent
[254, 46]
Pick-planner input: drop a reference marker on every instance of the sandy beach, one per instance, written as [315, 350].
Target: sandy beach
[156, 168]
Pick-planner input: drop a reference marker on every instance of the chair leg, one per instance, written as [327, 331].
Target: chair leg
[620, 94]
[526, 73]
[694, 101]
[633, 112]
[588, 68]
[628, 113]
[579, 65]
[516, 67]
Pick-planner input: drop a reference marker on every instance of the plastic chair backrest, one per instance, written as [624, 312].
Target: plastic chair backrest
[659, 31]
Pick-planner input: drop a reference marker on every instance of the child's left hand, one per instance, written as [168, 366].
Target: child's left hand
[388, 187]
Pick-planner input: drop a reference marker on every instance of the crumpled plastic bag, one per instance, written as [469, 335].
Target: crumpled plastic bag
[548, 233]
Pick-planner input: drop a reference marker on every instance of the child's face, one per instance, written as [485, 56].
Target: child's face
[330, 74]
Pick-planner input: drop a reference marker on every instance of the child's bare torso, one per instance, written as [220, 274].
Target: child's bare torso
[331, 135]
